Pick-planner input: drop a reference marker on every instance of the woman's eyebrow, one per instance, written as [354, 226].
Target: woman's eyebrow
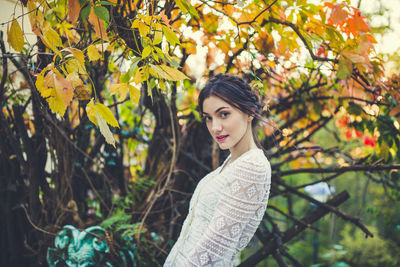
[216, 110]
[220, 109]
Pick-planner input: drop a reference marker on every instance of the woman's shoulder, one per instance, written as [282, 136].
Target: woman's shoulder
[254, 157]
[254, 161]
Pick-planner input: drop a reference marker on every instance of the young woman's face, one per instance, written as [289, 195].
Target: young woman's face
[227, 125]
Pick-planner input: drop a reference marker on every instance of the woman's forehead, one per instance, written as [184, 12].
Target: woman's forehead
[213, 103]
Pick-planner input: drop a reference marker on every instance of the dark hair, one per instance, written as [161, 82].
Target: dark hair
[236, 92]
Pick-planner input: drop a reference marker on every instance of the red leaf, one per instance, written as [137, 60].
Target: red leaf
[358, 134]
[369, 141]
[349, 133]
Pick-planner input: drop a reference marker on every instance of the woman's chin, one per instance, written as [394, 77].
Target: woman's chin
[223, 146]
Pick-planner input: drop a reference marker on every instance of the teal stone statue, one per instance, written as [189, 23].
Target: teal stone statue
[75, 248]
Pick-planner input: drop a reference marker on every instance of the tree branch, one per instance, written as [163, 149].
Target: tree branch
[370, 168]
[293, 231]
[303, 39]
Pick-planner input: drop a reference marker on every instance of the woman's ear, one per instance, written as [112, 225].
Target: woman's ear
[250, 118]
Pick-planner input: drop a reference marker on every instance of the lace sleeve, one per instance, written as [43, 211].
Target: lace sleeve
[237, 215]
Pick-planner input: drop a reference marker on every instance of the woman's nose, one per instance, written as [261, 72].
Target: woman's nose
[216, 126]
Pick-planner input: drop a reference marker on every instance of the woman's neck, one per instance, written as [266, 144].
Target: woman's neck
[245, 144]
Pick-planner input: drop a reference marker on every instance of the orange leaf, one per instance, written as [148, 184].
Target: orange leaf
[339, 15]
[359, 22]
[98, 25]
[73, 10]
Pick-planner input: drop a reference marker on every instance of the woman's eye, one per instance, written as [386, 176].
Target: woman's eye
[224, 114]
[206, 118]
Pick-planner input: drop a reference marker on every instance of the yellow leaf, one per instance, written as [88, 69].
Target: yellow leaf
[135, 24]
[36, 17]
[170, 35]
[91, 112]
[159, 51]
[120, 89]
[95, 116]
[168, 73]
[93, 53]
[143, 29]
[15, 36]
[57, 90]
[52, 37]
[73, 65]
[81, 91]
[106, 114]
[146, 51]
[105, 131]
[134, 94]
[162, 85]
[78, 54]
[139, 77]
[158, 34]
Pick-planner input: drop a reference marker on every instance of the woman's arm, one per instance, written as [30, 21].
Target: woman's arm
[237, 215]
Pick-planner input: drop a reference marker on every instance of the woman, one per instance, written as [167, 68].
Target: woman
[228, 203]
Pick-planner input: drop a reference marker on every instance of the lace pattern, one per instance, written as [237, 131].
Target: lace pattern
[225, 211]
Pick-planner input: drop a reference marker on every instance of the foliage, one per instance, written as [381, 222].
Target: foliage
[356, 250]
[75, 142]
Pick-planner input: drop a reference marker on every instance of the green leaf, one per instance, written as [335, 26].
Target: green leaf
[186, 7]
[102, 13]
[119, 217]
[85, 12]
[345, 68]
[82, 2]
[126, 77]
[355, 109]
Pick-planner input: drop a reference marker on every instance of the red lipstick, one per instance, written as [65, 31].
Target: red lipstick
[221, 138]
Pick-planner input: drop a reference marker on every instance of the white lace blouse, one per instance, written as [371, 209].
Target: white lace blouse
[225, 211]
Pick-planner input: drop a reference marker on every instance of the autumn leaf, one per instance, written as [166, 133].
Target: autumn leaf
[78, 54]
[146, 52]
[345, 68]
[134, 94]
[339, 15]
[170, 36]
[52, 37]
[120, 89]
[100, 115]
[360, 24]
[168, 73]
[354, 57]
[81, 90]
[186, 7]
[265, 43]
[73, 10]
[73, 65]
[57, 90]
[98, 25]
[36, 17]
[93, 53]
[15, 36]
